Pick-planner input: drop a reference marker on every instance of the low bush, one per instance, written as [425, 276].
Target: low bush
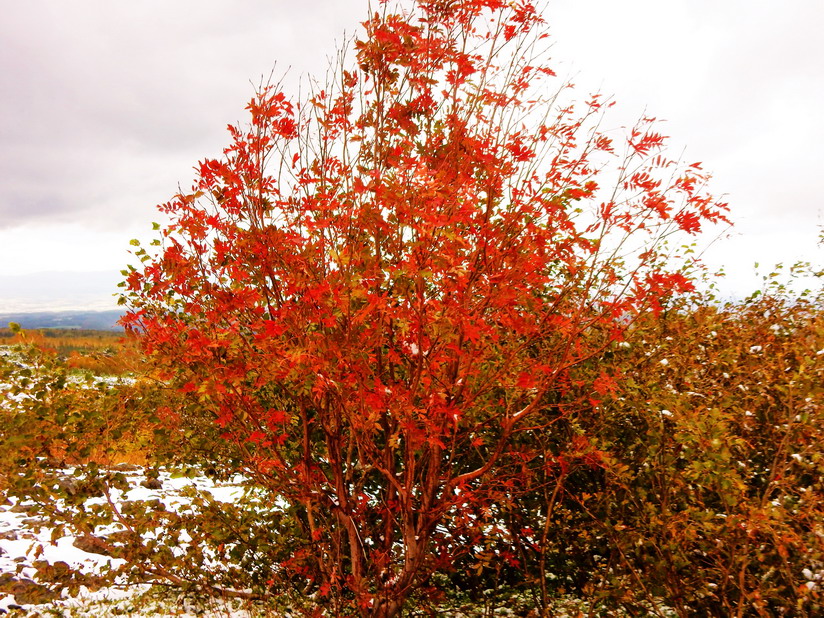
[697, 482]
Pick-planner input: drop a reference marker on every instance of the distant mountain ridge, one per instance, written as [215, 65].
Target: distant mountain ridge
[89, 320]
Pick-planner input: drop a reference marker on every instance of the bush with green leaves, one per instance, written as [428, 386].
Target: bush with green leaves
[698, 484]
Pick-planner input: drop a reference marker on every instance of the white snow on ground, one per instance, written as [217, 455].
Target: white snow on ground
[23, 540]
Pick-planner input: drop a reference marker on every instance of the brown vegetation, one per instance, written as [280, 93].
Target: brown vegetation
[96, 351]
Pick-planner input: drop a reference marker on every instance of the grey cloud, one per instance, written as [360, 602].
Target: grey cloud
[103, 102]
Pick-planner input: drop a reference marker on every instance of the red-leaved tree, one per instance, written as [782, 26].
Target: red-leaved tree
[377, 288]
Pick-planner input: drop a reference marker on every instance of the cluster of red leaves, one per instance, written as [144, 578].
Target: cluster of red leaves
[398, 270]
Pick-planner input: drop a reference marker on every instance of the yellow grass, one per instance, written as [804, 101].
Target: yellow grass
[100, 352]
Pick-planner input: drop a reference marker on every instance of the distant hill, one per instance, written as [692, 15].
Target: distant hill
[88, 320]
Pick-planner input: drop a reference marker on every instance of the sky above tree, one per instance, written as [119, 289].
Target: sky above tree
[107, 106]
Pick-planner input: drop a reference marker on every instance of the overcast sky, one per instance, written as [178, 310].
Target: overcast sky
[106, 106]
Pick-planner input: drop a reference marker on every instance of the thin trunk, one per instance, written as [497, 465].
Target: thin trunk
[542, 561]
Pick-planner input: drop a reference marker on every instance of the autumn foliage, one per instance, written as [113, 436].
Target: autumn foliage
[692, 487]
[710, 493]
[380, 292]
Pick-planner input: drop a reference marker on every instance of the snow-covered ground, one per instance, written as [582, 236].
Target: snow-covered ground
[26, 537]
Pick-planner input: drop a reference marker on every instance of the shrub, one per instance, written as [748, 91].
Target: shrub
[702, 489]
[378, 290]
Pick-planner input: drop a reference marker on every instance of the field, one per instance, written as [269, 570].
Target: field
[102, 352]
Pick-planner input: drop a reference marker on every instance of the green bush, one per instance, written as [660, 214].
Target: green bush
[702, 491]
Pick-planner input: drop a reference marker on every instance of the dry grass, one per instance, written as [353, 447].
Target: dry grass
[99, 352]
